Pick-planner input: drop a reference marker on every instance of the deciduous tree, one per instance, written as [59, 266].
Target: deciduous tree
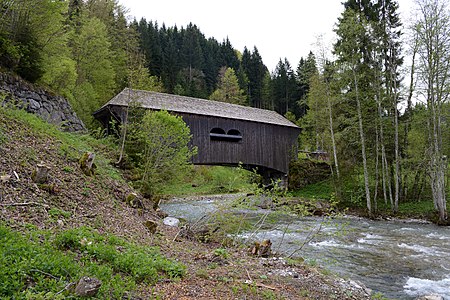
[432, 28]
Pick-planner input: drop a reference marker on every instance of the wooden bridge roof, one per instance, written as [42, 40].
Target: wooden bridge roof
[189, 105]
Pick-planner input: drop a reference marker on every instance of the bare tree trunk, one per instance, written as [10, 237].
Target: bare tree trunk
[397, 159]
[333, 140]
[363, 145]
[438, 165]
[377, 149]
[432, 30]
[393, 94]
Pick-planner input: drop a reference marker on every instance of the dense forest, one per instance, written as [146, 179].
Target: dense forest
[383, 122]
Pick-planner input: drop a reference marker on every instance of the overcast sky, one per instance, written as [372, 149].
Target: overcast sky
[283, 28]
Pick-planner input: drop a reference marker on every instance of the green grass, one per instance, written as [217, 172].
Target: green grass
[71, 145]
[39, 264]
[354, 198]
[204, 180]
[321, 190]
[423, 209]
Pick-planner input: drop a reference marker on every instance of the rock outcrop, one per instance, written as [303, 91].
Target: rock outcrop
[53, 109]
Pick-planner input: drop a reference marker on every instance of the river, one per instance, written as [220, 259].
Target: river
[401, 259]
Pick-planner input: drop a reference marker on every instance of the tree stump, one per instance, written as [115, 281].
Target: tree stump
[40, 174]
[87, 163]
[87, 286]
[262, 249]
[151, 226]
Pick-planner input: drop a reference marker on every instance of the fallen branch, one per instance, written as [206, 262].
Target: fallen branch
[248, 275]
[88, 215]
[26, 204]
[257, 284]
[45, 273]
[265, 286]
[250, 281]
[68, 286]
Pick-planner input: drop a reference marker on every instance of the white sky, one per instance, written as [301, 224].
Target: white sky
[279, 29]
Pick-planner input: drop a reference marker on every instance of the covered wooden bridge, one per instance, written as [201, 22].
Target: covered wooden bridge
[224, 133]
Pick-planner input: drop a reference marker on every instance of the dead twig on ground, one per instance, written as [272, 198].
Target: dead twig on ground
[25, 204]
[45, 273]
[258, 284]
[68, 286]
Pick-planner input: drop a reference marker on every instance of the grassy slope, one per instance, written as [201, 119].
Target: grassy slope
[51, 235]
[54, 233]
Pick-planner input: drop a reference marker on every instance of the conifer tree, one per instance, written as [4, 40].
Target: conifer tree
[228, 89]
[284, 89]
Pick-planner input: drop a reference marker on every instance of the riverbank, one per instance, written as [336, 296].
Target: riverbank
[218, 272]
[395, 257]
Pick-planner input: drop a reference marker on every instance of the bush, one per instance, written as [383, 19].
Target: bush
[158, 143]
[306, 171]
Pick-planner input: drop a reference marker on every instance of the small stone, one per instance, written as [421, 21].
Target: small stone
[171, 221]
[87, 286]
[5, 178]
[60, 223]
[33, 104]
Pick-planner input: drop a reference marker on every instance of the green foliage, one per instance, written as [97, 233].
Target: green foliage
[204, 180]
[304, 172]
[95, 80]
[315, 133]
[318, 190]
[142, 263]
[284, 87]
[221, 252]
[228, 89]
[55, 212]
[159, 145]
[33, 268]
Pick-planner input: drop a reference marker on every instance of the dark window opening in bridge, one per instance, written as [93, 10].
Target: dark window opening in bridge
[217, 131]
[218, 134]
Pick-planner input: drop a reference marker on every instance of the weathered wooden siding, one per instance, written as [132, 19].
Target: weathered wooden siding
[264, 145]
